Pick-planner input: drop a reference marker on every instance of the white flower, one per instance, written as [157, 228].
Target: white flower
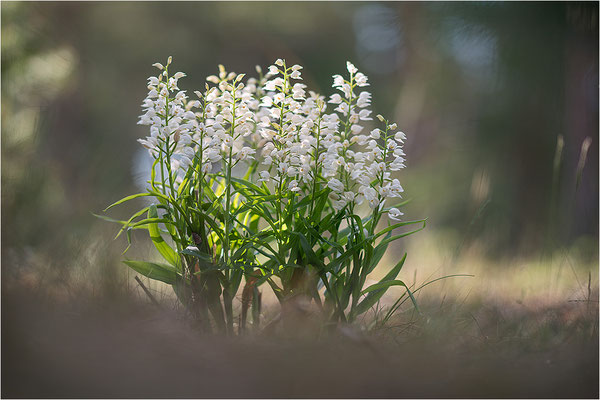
[269, 86]
[268, 160]
[342, 108]
[283, 168]
[360, 139]
[375, 133]
[227, 141]
[364, 115]
[292, 171]
[346, 89]
[351, 68]
[214, 155]
[335, 99]
[213, 79]
[397, 164]
[335, 185]
[373, 203]
[396, 187]
[400, 137]
[364, 99]
[356, 129]
[298, 91]
[369, 193]
[398, 152]
[395, 214]
[361, 79]
[349, 196]
[293, 186]
[338, 204]
[264, 176]
[337, 81]
[185, 162]
[246, 153]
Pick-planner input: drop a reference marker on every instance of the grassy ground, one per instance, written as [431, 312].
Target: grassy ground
[114, 350]
[521, 328]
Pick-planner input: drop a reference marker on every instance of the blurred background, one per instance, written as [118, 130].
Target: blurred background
[499, 102]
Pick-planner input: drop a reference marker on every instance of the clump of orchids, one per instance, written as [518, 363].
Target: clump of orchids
[260, 181]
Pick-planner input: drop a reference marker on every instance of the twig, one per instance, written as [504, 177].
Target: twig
[152, 298]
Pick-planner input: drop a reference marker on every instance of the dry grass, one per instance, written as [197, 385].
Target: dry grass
[523, 328]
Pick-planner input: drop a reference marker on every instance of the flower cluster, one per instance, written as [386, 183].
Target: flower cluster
[229, 117]
[311, 161]
[171, 122]
[302, 145]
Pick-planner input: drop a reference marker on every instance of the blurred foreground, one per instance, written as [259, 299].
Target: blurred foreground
[116, 350]
[531, 331]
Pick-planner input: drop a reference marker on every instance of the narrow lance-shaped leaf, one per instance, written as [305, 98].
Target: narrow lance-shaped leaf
[159, 272]
[398, 225]
[378, 254]
[163, 248]
[123, 200]
[374, 295]
[391, 239]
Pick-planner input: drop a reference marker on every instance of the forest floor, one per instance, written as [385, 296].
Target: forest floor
[107, 347]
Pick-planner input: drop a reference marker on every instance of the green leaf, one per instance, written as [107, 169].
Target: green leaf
[109, 219]
[378, 253]
[310, 254]
[134, 216]
[398, 205]
[183, 291]
[123, 200]
[320, 204]
[346, 230]
[249, 185]
[315, 233]
[391, 239]
[149, 221]
[163, 248]
[383, 285]
[234, 282]
[398, 225]
[276, 289]
[160, 272]
[128, 234]
[374, 295]
[202, 256]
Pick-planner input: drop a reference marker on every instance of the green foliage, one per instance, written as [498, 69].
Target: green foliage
[296, 234]
[159, 272]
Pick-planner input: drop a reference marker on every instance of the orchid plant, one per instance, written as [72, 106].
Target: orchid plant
[305, 216]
